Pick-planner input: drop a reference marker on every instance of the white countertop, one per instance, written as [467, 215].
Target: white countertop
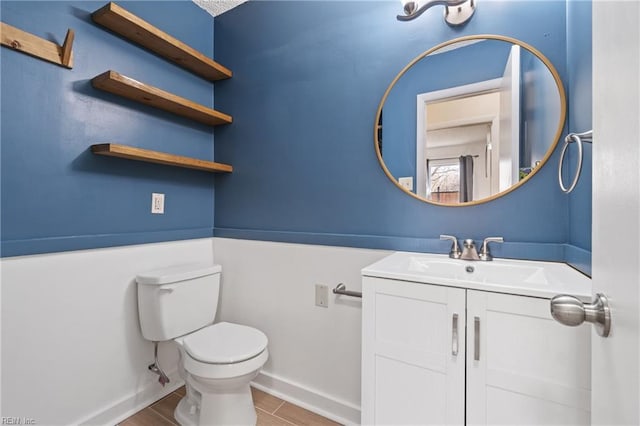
[521, 277]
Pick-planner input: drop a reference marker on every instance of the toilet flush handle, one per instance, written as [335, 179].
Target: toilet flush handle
[167, 290]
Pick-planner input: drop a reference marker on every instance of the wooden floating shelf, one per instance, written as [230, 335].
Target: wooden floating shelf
[119, 84]
[146, 155]
[130, 26]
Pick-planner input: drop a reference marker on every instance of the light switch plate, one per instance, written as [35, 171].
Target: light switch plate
[157, 203]
[406, 183]
[322, 295]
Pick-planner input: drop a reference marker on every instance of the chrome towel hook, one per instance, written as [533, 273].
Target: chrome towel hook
[578, 138]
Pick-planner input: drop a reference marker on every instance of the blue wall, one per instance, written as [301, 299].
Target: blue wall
[56, 195]
[470, 64]
[307, 83]
[308, 77]
[579, 61]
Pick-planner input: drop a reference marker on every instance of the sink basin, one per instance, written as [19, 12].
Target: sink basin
[488, 272]
[523, 277]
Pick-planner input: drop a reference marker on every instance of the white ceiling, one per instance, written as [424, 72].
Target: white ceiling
[216, 7]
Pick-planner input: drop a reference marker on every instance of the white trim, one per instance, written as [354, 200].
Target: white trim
[455, 46]
[313, 400]
[477, 120]
[615, 361]
[421, 119]
[458, 91]
[129, 405]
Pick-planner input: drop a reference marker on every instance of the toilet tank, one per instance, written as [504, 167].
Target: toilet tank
[177, 300]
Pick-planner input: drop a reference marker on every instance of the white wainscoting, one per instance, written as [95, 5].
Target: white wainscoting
[315, 352]
[72, 351]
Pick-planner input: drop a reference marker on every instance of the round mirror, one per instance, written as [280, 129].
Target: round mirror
[470, 120]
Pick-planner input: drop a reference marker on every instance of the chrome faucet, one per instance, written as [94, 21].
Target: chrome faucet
[469, 251]
[455, 252]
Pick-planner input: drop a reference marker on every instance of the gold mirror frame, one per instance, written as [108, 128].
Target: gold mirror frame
[561, 121]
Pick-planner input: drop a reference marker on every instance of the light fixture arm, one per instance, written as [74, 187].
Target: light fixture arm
[453, 17]
[413, 14]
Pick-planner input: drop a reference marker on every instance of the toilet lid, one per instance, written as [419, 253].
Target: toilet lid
[225, 343]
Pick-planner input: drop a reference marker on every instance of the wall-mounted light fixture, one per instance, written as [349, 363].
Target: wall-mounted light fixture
[456, 12]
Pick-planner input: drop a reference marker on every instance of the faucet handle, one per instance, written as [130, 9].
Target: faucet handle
[455, 250]
[485, 254]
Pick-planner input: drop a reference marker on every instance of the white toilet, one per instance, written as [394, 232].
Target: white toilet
[218, 361]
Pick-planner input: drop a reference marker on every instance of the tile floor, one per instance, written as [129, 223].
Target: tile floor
[271, 411]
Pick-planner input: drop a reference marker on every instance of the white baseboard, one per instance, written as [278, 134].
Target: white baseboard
[320, 403]
[332, 408]
[133, 403]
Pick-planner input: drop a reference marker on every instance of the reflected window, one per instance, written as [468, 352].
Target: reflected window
[444, 180]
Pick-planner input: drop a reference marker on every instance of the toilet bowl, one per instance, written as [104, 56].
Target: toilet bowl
[217, 361]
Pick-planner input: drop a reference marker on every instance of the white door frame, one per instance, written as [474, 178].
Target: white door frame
[422, 99]
[615, 368]
[509, 143]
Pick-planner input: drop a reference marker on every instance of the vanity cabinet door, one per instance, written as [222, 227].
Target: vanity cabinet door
[523, 368]
[413, 353]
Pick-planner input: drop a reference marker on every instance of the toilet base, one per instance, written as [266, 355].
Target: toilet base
[218, 394]
[186, 413]
[230, 408]
[221, 407]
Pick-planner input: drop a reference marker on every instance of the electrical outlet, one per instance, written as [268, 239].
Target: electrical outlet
[157, 203]
[406, 183]
[322, 296]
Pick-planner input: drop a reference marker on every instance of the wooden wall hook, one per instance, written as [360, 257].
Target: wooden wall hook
[67, 48]
[16, 39]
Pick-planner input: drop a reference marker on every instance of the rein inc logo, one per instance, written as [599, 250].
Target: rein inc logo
[17, 421]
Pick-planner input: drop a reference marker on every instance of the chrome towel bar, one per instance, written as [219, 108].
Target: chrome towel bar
[342, 289]
[578, 138]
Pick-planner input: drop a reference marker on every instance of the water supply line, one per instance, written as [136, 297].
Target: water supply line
[155, 367]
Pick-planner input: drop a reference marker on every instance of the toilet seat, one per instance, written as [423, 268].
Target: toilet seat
[225, 343]
[223, 351]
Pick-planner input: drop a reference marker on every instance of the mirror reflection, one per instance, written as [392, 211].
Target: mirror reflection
[470, 120]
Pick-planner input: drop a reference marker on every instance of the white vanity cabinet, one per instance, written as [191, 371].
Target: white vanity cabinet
[413, 351]
[503, 361]
[528, 369]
